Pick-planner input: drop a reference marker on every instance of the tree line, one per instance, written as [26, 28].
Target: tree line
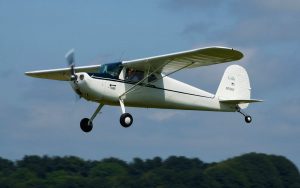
[249, 170]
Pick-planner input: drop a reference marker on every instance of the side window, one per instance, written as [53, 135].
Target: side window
[134, 75]
[152, 78]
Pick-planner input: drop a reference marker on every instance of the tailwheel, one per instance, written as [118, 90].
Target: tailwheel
[126, 120]
[248, 119]
[86, 125]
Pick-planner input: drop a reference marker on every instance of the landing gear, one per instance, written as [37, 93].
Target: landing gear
[86, 124]
[126, 120]
[248, 118]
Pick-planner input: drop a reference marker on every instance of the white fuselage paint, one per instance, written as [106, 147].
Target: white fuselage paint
[167, 93]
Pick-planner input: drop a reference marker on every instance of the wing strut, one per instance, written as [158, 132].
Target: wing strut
[133, 88]
[175, 71]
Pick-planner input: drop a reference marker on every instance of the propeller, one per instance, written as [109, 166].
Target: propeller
[73, 77]
[71, 63]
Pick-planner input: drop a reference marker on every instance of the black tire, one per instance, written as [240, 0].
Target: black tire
[248, 119]
[85, 125]
[126, 120]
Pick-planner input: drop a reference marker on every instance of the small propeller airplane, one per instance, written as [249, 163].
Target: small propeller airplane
[146, 83]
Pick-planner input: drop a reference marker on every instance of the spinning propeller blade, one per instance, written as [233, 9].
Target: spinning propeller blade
[71, 63]
[73, 77]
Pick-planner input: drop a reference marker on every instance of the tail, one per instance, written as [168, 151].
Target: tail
[235, 87]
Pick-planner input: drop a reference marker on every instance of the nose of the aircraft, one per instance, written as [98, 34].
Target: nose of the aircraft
[80, 84]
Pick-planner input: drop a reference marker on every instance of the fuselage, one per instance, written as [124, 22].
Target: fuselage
[164, 92]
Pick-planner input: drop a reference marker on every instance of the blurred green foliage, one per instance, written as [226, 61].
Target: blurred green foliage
[248, 171]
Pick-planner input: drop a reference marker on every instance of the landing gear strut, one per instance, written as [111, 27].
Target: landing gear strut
[86, 124]
[248, 118]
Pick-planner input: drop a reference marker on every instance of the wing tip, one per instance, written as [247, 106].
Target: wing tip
[29, 73]
[234, 54]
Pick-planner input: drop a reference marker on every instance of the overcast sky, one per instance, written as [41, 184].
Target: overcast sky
[42, 117]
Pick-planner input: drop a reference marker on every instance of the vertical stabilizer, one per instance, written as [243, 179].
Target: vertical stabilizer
[235, 85]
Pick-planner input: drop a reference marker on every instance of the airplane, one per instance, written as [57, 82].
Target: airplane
[145, 83]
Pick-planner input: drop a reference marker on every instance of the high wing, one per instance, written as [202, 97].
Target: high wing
[61, 74]
[167, 63]
[186, 59]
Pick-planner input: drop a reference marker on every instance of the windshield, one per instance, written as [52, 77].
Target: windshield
[110, 70]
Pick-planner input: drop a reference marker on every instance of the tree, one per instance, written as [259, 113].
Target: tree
[249, 170]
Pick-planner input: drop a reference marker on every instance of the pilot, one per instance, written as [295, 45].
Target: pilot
[132, 76]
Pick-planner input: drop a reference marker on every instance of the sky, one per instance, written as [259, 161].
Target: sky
[41, 117]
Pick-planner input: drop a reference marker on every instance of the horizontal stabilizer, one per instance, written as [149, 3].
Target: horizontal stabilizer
[240, 101]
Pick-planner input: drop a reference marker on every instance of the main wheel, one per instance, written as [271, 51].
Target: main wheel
[85, 125]
[248, 119]
[126, 120]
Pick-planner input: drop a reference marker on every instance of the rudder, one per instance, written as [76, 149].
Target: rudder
[235, 85]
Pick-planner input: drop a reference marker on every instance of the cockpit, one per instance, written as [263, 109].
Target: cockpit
[117, 71]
